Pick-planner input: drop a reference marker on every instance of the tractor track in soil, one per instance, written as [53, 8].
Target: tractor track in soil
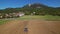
[34, 27]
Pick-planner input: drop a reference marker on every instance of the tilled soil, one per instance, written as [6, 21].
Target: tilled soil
[33, 27]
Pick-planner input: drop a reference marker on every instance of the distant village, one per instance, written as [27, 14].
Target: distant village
[11, 15]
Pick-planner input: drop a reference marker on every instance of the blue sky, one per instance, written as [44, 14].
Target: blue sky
[19, 3]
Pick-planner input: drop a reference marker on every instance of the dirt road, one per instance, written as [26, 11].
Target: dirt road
[34, 27]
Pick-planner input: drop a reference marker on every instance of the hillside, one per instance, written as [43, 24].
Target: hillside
[35, 5]
[39, 9]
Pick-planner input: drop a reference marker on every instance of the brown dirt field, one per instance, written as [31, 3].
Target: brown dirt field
[34, 27]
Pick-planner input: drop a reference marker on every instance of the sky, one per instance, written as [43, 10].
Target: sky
[20, 3]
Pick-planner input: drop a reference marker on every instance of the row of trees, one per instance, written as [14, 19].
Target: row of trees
[29, 11]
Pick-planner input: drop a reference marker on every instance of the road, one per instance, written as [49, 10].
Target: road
[34, 27]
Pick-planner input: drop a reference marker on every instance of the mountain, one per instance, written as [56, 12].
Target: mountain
[35, 5]
[39, 9]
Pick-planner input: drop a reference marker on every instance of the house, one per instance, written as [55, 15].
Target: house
[21, 14]
[18, 14]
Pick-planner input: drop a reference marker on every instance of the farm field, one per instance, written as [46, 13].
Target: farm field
[35, 25]
[46, 17]
[29, 17]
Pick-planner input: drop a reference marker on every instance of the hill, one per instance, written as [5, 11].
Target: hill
[39, 9]
[35, 5]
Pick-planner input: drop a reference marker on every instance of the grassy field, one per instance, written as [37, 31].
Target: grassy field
[3, 21]
[46, 17]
